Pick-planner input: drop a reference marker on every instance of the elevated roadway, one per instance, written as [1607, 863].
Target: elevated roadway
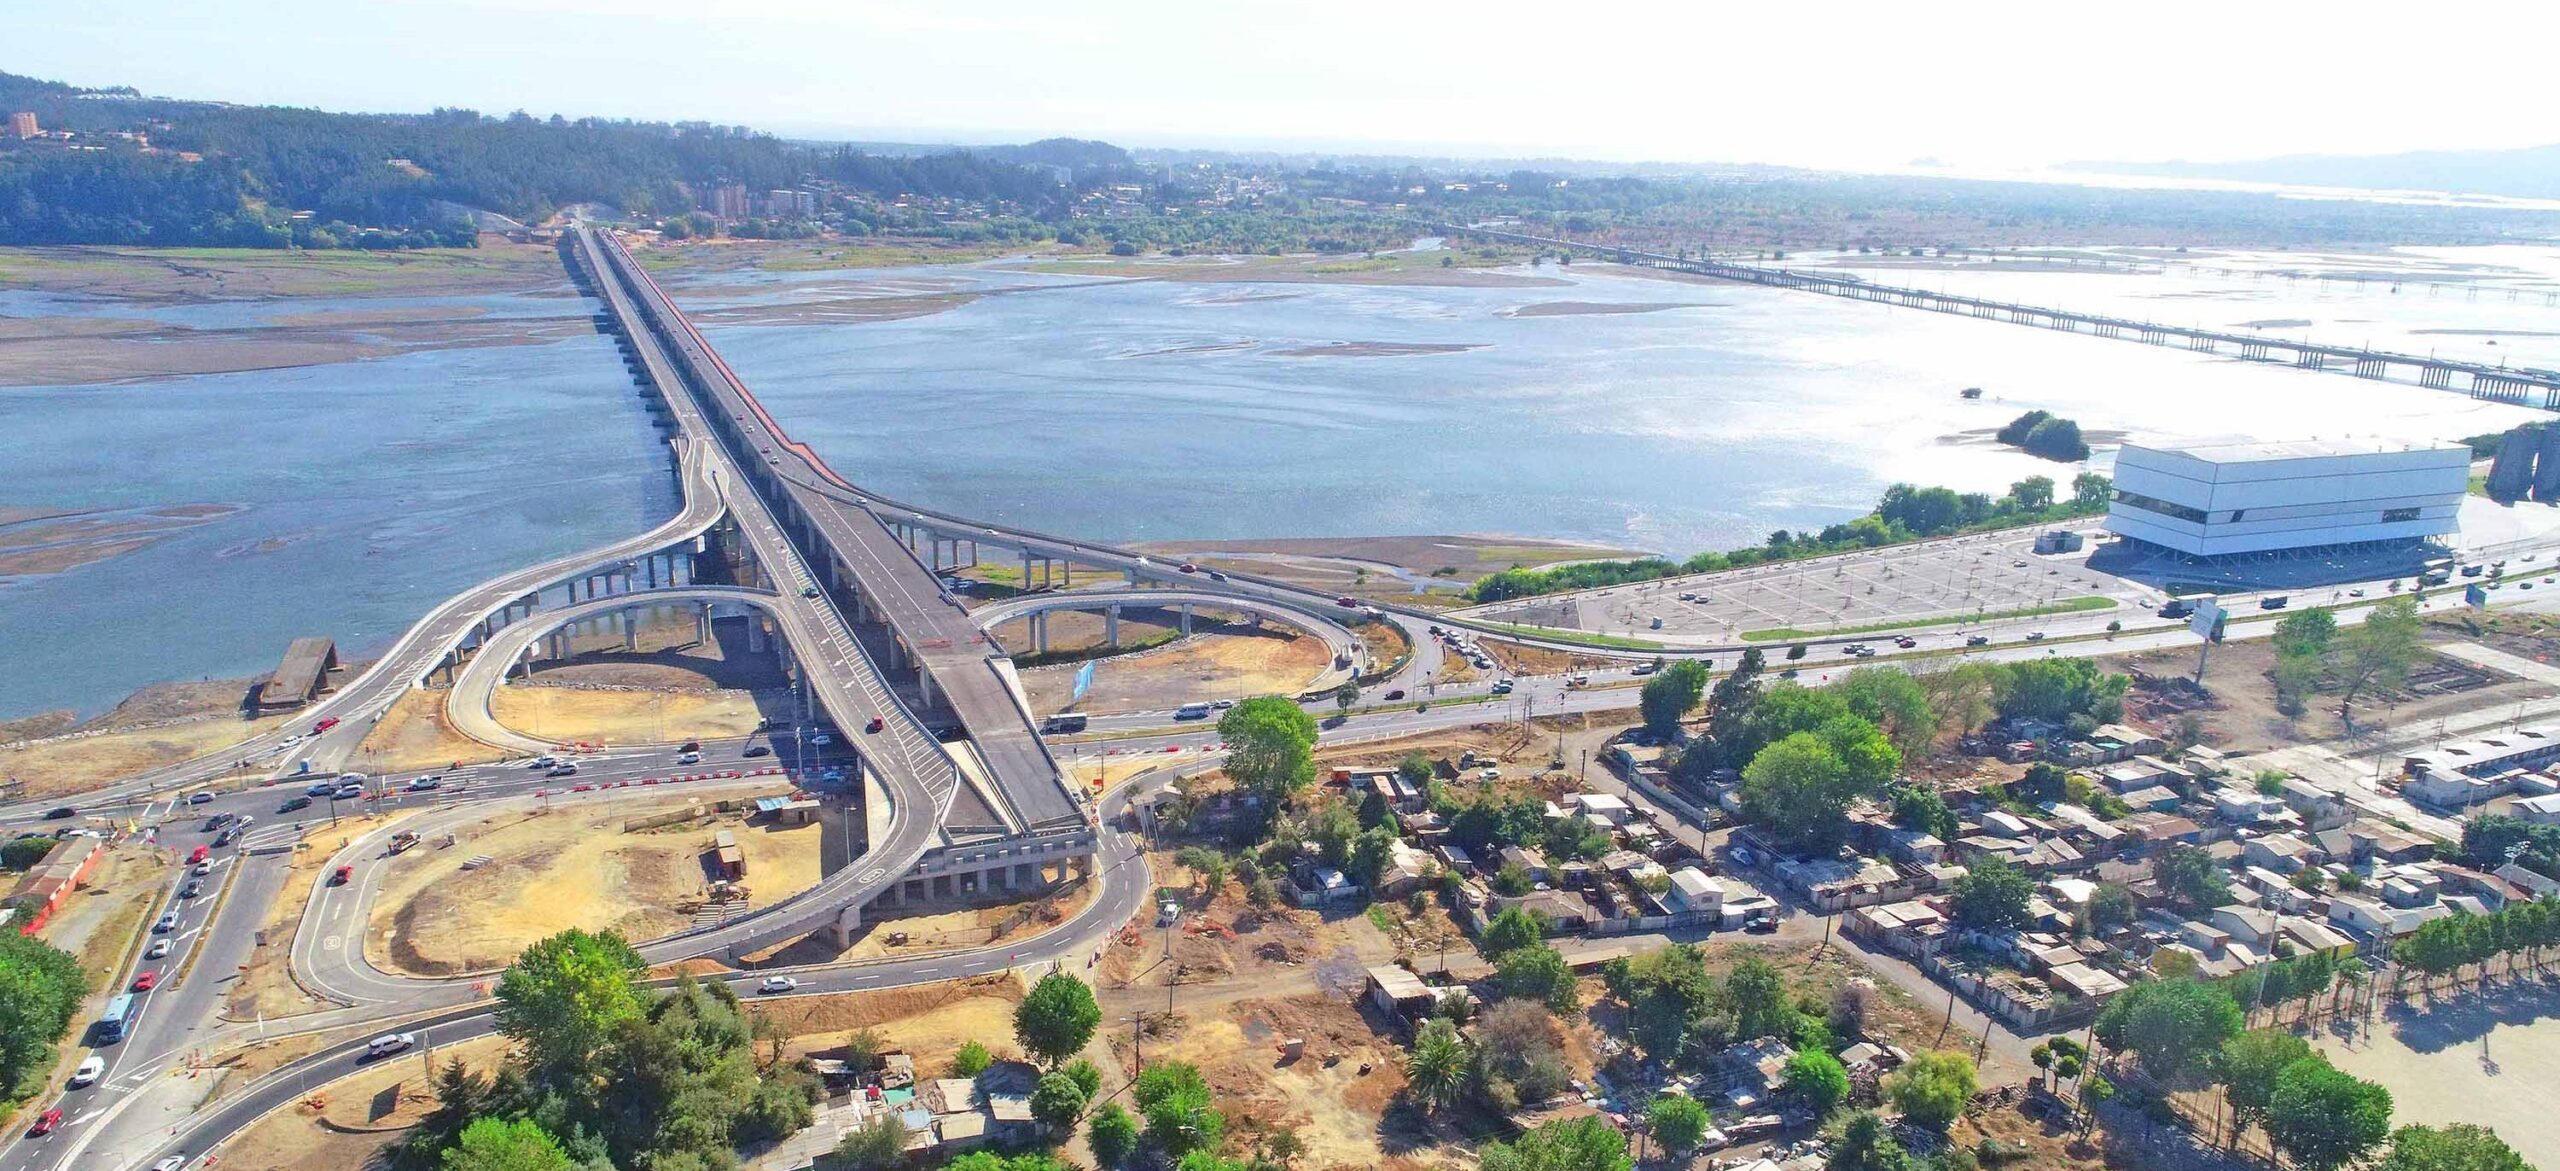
[919, 778]
[1343, 646]
[856, 556]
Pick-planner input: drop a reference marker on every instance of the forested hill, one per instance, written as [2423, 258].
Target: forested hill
[144, 170]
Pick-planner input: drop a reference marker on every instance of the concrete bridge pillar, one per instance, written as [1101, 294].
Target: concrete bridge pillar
[630, 632]
[1040, 634]
[525, 660]
[649, 566]
[755, 634]
[924, 686]
[1026, 569]
[1111, 625]
[1186, 619]
[702, 624]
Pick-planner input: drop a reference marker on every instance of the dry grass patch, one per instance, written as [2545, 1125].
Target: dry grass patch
[577, 715]
[345, 1122]
[413, 734]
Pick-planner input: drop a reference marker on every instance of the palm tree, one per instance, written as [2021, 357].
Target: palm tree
[1436, 1070]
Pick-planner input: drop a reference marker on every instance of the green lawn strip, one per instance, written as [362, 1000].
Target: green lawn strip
[1578, 637]
[2071, 606]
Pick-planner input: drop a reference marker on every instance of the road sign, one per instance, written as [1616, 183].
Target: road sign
[2208, 614]
[1084, 678]
[2476, 597]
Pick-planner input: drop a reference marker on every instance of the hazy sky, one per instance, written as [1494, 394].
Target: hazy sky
[1827, 84]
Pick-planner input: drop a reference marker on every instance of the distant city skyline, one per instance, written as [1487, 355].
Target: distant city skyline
[1981, 86]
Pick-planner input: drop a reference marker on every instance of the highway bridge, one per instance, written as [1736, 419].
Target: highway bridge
[2522, 386]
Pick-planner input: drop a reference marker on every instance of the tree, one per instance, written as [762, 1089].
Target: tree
[2458, 1147]
[1346, 695]
[1514, 928]
[1583, 1144]
[24, 853]
[876, 1146]
[1085, 1075]
[1932, 1089]
[2379, 652]
[2056, 439]
[1268, 746]
[1921, 810]
[2191, 873]
[1865, 1145]
[1818, 1080]
[1056, 1100]
[1537, 973]
[1436, 1070]
[2090, 492]
[2326, 1119]
[1056, 1019]
[2172, 1025]
[41, 987]
[1112, 1134]
[2033, 494]
[1993, 894]
[2248, 1066]
[1679, 1122]
[2305, 632]
[1894, 702]
[1668, 696]
[565, 998]
[1756, 994]
[1175, 1100]
[2015, 431]
[492, 1144]
[1519, 1054]
[2109, 907]
[1415, 768]
[972, 1059]
[1800, 790]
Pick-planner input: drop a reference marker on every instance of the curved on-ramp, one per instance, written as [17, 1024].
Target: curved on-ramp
[466, 706]
[1344, 645]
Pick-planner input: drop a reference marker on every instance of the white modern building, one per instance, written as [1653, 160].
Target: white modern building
[2237, 498]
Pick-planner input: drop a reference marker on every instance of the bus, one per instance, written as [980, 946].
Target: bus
[119, 1016]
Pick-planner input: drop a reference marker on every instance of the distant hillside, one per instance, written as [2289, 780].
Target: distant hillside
[2529, 172]
[144, 170]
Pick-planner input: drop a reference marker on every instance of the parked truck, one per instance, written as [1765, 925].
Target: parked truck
[403, 840]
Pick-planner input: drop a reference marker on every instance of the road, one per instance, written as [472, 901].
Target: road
[1123, 886]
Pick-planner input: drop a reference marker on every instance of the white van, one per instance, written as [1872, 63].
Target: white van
[1192, 711]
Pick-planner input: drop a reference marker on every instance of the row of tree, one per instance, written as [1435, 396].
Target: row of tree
[1904, 513]
[41, 987]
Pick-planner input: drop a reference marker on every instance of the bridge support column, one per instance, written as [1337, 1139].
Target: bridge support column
[755, 634]
[525, 660]
[1111, 626]
[702, 624]
[924, 686]
[630, 632]
[1186, 619]
[1040, 634]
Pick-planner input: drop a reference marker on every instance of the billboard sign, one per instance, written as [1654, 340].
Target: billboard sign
[2207, 617]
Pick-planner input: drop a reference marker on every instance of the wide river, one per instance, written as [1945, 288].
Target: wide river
[1124, 409]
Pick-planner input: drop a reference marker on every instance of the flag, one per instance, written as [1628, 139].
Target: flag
[1084, 678]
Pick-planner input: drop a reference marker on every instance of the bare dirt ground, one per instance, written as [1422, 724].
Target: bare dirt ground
[1075, 635]
[413, 734]
[653, 716]
[1242, 662]
[345, 1124]
[2240, 713]
[1530, 660]
[1337, 1110]
[81, 760]
[997, 917]
[2478, 1056]
[930, 1021]
[97, 922]
[572, 867]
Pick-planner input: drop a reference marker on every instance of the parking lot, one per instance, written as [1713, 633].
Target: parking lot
[1964, 577]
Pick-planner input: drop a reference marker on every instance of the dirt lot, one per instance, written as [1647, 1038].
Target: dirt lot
[665, 654]
[344, 1125]
[413, 734]
[572, 867]
[84, 760]
[1273, 661]
[1076, 635]
[2240, 716]
[97, 922]
[577, 715]
[930, 1021]
[1337, 1110]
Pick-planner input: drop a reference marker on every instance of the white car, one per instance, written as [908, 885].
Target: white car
[689, 758]
[89, 1072]
[777, 984]
[158, 948]
[172, 1163]
[388, 1044]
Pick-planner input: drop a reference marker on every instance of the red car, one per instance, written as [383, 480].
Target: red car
[45, 1122]
[1346, 601]
[199, 854]
[1188, 567]
[875, 725]
[147, 981]
[324, 725]
[341, 875]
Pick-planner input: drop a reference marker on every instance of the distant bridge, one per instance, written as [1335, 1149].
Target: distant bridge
[2521, 386]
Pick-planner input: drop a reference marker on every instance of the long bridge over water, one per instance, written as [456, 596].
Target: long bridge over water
[2522, 386]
